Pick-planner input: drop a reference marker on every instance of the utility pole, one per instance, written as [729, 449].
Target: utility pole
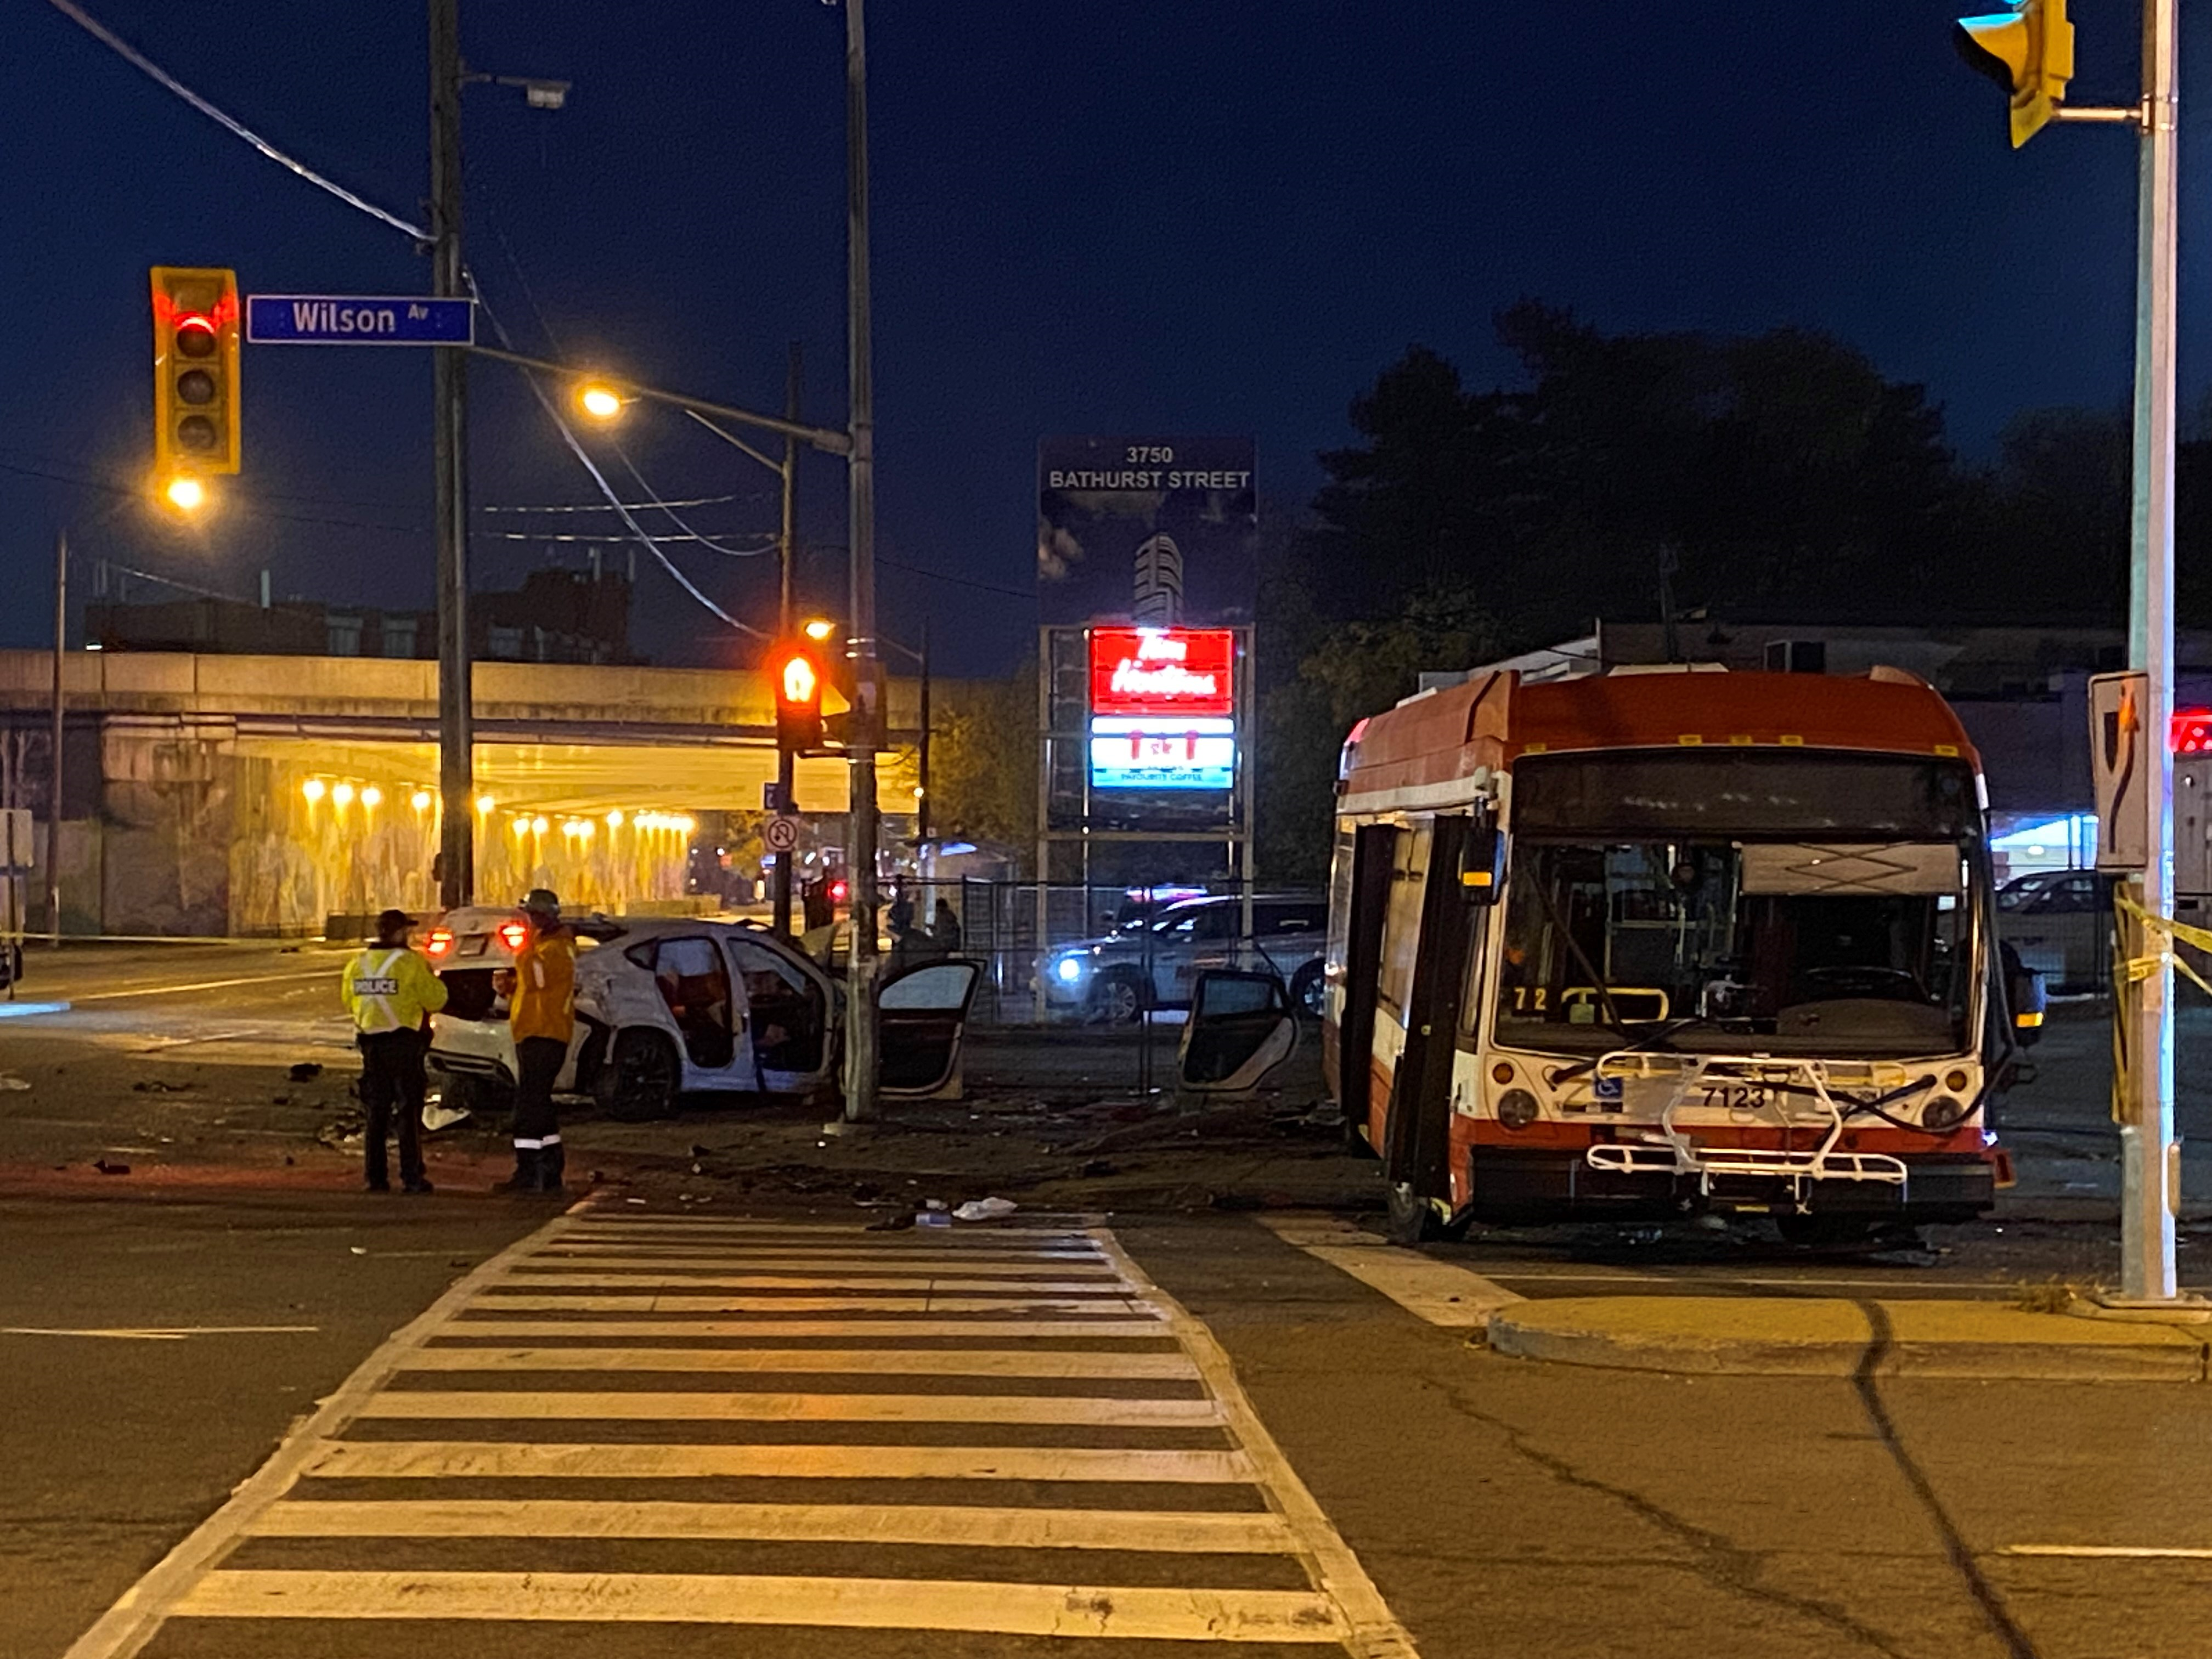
[786, 549]
[2150, 1160]
[457, 878]
[54, 780]
[862, 1029]
[922, 806]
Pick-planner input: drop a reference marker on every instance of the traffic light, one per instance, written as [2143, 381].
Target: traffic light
[196, 320]
[795, 672]
[2029, 51]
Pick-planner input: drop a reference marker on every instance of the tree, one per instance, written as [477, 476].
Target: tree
[983, 762]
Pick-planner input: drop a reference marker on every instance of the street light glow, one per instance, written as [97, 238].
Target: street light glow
[820, 629]
[599, 400]
[185, 493]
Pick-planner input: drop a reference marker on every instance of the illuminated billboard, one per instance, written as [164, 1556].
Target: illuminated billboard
[1163, 703]
[1129, 753]
[1163, 671]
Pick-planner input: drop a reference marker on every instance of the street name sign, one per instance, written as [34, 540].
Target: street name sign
[354, 319]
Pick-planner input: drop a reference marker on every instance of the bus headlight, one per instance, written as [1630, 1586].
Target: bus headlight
[1944, 1112]
[1517, 1109]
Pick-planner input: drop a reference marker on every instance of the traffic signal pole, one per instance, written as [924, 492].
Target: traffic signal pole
[861, 1029]
[2150, 1161]
[787, 622]
[449, 393]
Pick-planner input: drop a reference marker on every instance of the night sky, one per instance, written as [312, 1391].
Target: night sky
[1181, 215]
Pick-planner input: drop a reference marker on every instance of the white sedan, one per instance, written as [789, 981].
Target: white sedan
[666, 1006]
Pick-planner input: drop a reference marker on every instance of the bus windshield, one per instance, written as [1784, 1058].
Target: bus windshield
[1699, 944]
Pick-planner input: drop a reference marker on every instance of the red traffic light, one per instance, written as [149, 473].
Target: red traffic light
[795, 677]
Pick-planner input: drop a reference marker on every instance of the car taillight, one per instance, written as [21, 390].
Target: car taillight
[513, 935]
[438, 943]
[839, 892]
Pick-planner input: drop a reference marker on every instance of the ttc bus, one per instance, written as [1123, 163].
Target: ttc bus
[1659, 941]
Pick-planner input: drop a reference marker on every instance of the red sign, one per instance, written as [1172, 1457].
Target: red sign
[1163, 671]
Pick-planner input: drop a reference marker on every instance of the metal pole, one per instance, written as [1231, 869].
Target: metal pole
[922, 803]
[861, 1060]
[456, 879]
[54, 781]
[2150, 1155]
[787, 551]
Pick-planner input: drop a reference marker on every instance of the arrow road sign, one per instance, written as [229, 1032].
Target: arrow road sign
[353, 320]
[781, 835]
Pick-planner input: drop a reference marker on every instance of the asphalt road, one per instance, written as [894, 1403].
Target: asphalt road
[794, 1437]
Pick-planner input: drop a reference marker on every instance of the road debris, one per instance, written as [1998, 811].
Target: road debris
[986, 1209]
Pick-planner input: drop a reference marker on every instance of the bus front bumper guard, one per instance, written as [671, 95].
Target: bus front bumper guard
[1672, 1151]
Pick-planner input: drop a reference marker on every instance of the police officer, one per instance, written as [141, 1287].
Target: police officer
[390, 992]
[542, 1017]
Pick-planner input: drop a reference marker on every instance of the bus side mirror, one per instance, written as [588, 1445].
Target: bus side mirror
[1482, 867]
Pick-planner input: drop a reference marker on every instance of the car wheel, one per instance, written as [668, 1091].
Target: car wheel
[487, 1103]
[1117, 1000]
[1412, 1219]
[642, 1082]
[1306, 990]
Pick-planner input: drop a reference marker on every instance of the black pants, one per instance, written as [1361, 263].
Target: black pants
[392, 1075]
[538, 1060]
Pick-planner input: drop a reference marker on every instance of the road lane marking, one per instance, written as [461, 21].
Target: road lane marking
[841, 1362]
[126, 1627]
[473, 1460]
[1373, 1630]
[835, 1603]
[998, 1330]
[502, 1300]
[1014, 1268]
[823, 1281]
[1439, 1292]
[1918, 1279]
[642, 1405]
[162, 1332]
[1180, 1532]
[2110, 1552]
[199, 985]
[797, 1231]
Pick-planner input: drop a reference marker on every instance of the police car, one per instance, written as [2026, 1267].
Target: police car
[671, 1005]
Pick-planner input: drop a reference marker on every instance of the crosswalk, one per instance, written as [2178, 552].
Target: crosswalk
[632, 1434]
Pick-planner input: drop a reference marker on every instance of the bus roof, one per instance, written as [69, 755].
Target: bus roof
[1429, 749]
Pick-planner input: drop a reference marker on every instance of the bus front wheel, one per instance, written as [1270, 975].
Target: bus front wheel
[1413, 1219]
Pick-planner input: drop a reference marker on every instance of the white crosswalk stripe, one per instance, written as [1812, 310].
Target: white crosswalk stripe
[785, 1427]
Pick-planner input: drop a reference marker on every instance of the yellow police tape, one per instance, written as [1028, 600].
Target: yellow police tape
[2136, 969]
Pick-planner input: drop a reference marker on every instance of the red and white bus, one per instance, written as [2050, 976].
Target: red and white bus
[1659, 941]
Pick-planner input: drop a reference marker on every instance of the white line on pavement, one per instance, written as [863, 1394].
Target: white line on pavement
[998, 1330]
[161, 1333]
[1441, 1292]
[1180, 1532]
[839, 1603]
[841, 1362]
[688, 1405]
[2110, 1552]
[477, 1460]
[200, 985]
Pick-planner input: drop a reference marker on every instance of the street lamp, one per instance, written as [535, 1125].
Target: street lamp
[599, 401]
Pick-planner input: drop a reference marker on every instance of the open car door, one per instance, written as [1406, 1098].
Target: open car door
[1242, 1026]
[923, 1020]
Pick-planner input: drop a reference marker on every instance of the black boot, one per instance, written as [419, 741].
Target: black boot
[550, 1163]
[529, 1163]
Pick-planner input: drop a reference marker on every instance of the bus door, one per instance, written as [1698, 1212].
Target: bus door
[1373, 855]
[1416, 1135]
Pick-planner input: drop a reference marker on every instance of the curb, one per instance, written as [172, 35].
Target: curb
[1745, 1336]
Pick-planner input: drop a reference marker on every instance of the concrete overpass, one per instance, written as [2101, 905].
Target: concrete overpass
[254, 795]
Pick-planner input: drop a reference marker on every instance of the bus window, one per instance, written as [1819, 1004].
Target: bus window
[1340, 901]
[1401, 932]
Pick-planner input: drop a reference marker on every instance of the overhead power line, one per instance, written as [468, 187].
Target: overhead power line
[138, 60]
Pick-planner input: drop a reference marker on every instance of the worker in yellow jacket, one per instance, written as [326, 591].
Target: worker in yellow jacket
[542, 1015]
[390, 992]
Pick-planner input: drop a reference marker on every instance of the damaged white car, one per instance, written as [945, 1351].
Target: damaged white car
[669, 1006]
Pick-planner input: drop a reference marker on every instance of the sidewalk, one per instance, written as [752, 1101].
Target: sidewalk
[1785, 1336]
